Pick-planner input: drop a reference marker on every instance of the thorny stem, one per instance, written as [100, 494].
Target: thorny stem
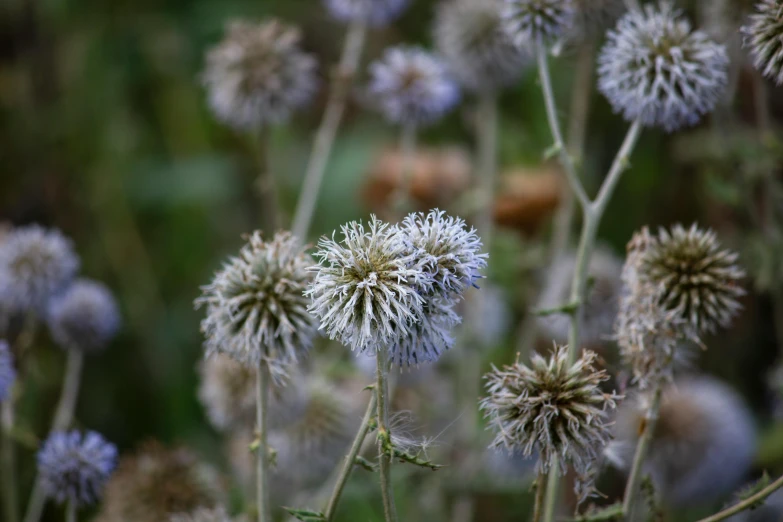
[381, 391]
[635, 475]
[745, 504]
[8, 460]
[401, 196]
[327, 131]
[350, 459]
[70, 391]
[265, 185]
[262, 455]
[540, 495]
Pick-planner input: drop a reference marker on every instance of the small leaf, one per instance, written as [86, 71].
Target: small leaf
[306, 515]
[364, 463]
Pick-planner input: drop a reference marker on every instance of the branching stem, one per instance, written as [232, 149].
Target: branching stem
[745, 504]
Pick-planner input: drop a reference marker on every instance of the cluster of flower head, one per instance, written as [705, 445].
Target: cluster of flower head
[256, 310]
[552, 409]
[396, 285]
[763, 37]
[372, 12]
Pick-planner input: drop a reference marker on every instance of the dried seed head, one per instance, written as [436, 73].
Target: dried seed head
[256, 310]
[528, 20]
[374, 12]
[703, 442]
[7, 371]
[655, 68]
[412, 86]
[763, 35]
[74, 468]
[550, 409]
[258, 75]
[84, 317]
[35, 264]
[471, 36]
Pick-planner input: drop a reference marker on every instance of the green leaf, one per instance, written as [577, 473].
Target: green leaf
[306, 515]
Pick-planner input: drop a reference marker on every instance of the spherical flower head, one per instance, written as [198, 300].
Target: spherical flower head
[83, 317]
[654, 68]
[256, 310]
[373, 12]
[35, 264]
[763, 37]
[427, 339]
[527, 21]
[411, 86]
[258, 75]
[364, 293]
[702, 445]
[697, 279]
[471, 36]
[75, 467]
[7, 371]
[550, 409]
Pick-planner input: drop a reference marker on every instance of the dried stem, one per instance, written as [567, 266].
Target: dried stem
[381, 391]
[327, 131]
[635, 475]
[350, 459]
[70, 392]
[262, 450]
[748, 503]
[8, 460]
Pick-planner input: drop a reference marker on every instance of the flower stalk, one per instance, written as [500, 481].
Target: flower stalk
[635, 475]
[748, 503]
[70, 392]
[381, 391]
[401, 197]
[8, 460]
[262, 451]
[265, 184]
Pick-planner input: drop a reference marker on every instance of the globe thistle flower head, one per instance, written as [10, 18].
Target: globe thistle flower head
[373, 12]
[471, 36]
[658, 70]
[7, 371]
[427, 339]
[763, 38]
[550, 409]
[702, 445]
[527, 21]
[258, 75]
[411, 86]
[365, 288]
[256, 310]
[35, 264]
[74, 467]
[83, 317]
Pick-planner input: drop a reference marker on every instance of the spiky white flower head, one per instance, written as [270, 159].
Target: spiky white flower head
[256, 310]
[427, 339]
[35, 264]
[599, 312]
[75, 467]
[7, 370]
[550, 409]
[374, 12]
[702, 445]
[763, 37]
[218, 514]
[258, 75]
[83, 317]
[471, 36]
[528, 20]
[411, 86]
[655, 68]
[364, 293]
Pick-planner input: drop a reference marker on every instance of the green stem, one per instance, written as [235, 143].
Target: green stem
[745, 504]
[8, 460]
[350, 459]
[402, 195]
[552, 486]
[70, 512]
[262, 455]
[381, 390]
[327, 131]
[265, 185]
[70, 392]
[538, 506]
[635, 475]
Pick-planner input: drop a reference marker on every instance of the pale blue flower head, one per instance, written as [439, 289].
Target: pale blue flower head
[83, 317]
[655, 68]
[7, 371]
[527, 21]
[427, 339]
[411, 86]
[35, 264]
[374, 12]
[75, 467]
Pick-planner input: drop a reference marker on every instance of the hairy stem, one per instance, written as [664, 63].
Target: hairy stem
[262, 455]
[265, 185]
[748, 503]
[327, 130]
[8, 460]
[635, 475]
[350, 459]
[70, 392]
[381, 390]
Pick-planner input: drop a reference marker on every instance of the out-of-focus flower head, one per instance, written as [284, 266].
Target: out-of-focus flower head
[592, 17]
[256, 310]
[471, 36]
[411, 86]
[373, 12]
[35, 264]
[655, 68]
[550, 409]
[764, 38]
[74, 467]
[84, 316]
[258, 75]
[528, 20]
[7, 370]
[703, 442]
